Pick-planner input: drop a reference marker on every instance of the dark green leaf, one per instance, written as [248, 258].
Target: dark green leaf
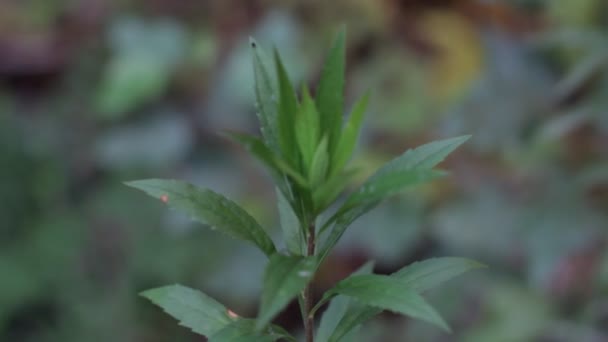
[284, 278]
[374, 191]
[350, 133]
[420, 276]
[266, 93]
[357, 314]
[274, 163]
[329, 97]
[192, 308]
[288, 105]
[290, 225]
[411, 168]
[387, 293]
[341, 221]
[208, 207]
[241, 330]
[319, 165]
[337, 308]
[426, 274]
[327, 192]
[307, 128]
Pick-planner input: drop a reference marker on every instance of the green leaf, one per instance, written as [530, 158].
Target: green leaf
[357, 314]
[377, 189]
[420, 276]
[290, 225]
[274, 163]
[427, 274]
[243, 330]
[411, 168]
[350, 133]
[319, 165]
[388, 293]
[288, 105]
[341, 221]
[192, 308]
[284, 278]
[266, 93]
[329, 97]
[307, 128]
[208, 207]
[337, 308]
[327, 192]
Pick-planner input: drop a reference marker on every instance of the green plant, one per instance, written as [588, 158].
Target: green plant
[306, 148]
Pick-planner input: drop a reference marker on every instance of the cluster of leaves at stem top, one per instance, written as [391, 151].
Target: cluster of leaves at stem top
[306, 145]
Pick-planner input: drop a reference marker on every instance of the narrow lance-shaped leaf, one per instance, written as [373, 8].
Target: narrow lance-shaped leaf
[326, 193]
[341, 222]
[350, 133]
[385, 292]
[329, 97]
[357, 314]
[307, 128]
[411, 168]
[424, 275]
[266, 93]
[319, 165]
[210, 208]
[284, 278]
[290, 225]
[288, 105]
[419, 276]
[274, 163]
[337, 308]
[193, 309]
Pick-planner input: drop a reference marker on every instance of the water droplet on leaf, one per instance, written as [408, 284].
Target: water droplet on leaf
[304, 273]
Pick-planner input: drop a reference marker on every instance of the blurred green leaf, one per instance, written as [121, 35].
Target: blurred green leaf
[208, 207]
[145, 54]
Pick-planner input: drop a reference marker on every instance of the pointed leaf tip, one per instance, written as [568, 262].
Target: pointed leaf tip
[208, 207]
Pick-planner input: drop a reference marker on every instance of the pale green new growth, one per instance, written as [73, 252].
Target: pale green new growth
[306, 145]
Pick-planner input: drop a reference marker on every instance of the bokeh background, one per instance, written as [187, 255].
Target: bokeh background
[94, 93]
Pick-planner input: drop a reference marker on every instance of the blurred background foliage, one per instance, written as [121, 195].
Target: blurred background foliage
[93, 93]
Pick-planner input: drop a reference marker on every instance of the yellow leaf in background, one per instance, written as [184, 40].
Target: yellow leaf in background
[459, 54]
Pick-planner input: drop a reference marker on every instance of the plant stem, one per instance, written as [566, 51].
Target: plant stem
[309, 320]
